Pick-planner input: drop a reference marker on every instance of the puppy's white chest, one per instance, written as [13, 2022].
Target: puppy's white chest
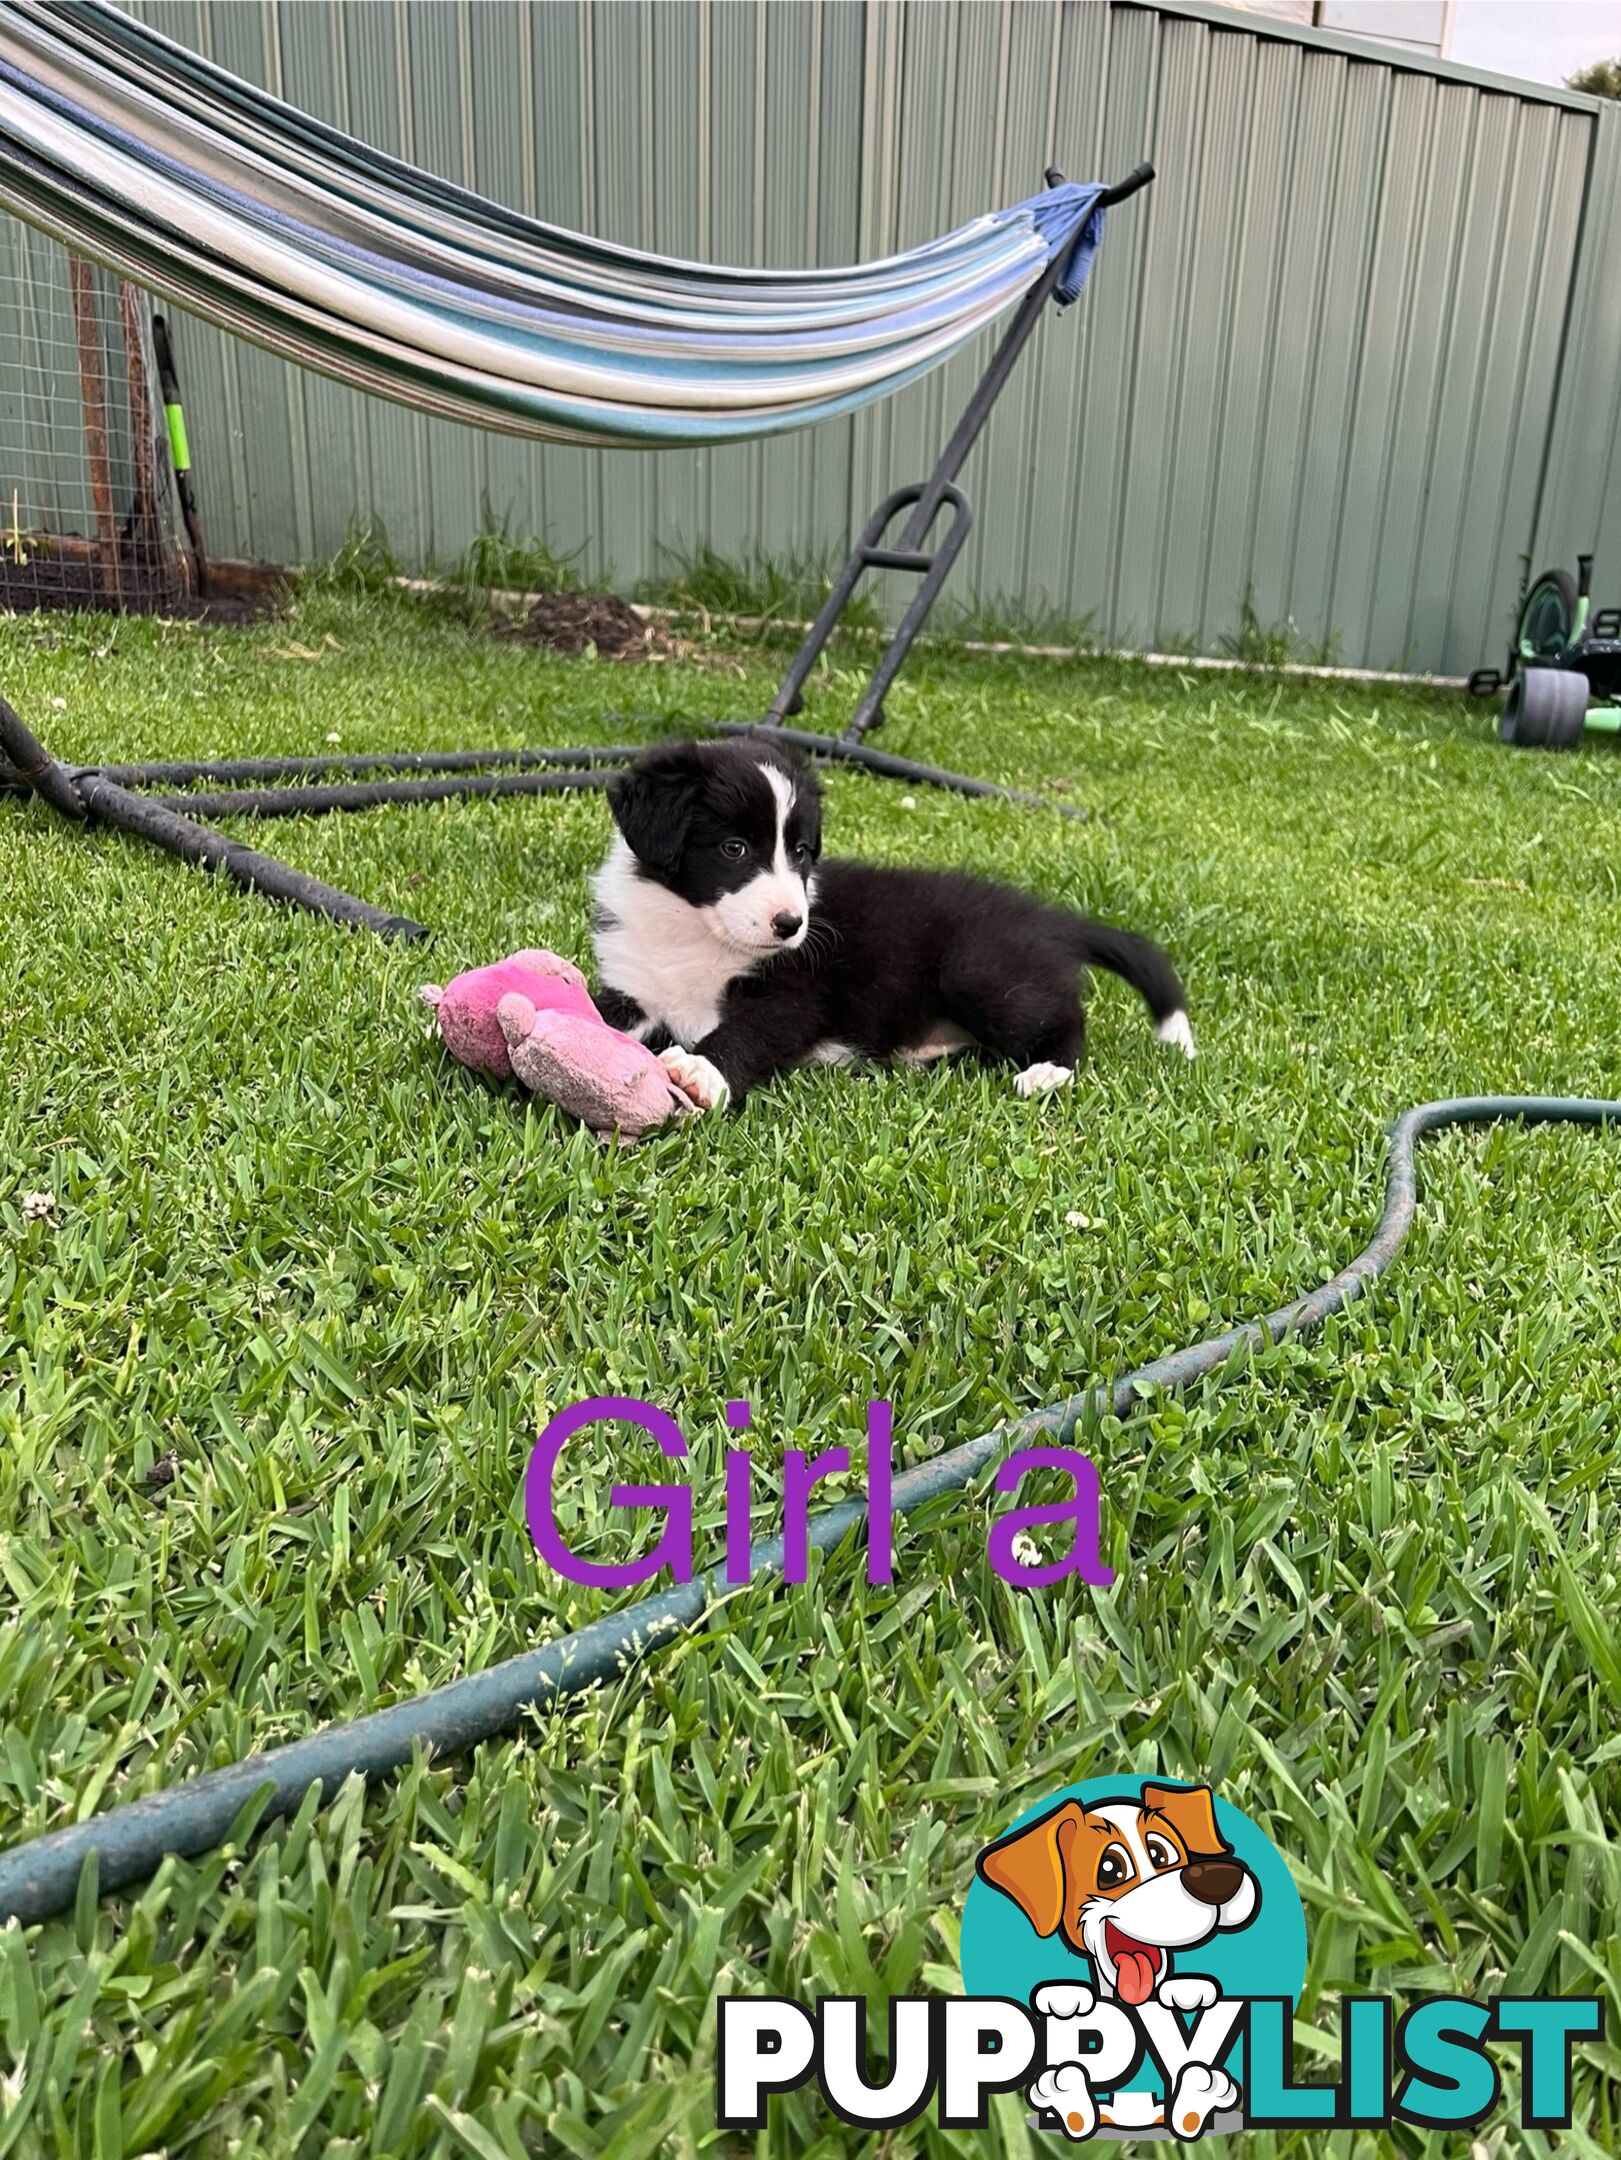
[682, 992]
[656, 949]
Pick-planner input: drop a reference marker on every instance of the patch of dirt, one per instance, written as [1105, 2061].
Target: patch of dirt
[87, 584]
[572, 622]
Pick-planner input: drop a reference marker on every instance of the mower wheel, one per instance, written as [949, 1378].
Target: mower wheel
[1544, 708]
[1546, 619]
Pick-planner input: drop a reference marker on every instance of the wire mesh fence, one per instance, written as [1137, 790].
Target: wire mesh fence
[88, 511]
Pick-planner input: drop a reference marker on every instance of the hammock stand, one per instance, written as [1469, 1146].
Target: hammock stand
[115, 794]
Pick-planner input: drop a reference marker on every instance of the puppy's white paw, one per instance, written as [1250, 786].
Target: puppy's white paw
[1187, 1991]
[1174, 1029]
[704, 1083]
[1201, 2091]
[1059, 1999]
[1067, 2093]
[1042, 1079]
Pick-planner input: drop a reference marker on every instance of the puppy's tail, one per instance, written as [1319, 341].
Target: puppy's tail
[1140, 962]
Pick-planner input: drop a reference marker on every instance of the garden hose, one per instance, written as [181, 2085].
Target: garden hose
[127, 1843]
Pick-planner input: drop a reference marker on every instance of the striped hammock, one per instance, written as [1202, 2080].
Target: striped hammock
[186, 180]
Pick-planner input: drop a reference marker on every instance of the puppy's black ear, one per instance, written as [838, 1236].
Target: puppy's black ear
[652, 803]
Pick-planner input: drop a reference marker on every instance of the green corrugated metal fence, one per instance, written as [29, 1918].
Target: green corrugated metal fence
[1355, 352]
[1580, 505]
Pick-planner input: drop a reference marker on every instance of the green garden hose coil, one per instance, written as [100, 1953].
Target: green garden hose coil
[127, 1843]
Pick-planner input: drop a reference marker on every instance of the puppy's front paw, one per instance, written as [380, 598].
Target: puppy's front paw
[1042, 1079]
[704, 1084]
[1201, 2092]
[1067, 2093]
[1187, 1991]
[1064, 1999]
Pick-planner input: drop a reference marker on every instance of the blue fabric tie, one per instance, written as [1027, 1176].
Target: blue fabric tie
[1070, 216]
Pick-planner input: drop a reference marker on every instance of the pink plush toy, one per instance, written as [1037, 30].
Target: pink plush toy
[532, 1016]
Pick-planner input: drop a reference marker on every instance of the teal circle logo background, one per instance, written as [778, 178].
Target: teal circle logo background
[1003, 1955]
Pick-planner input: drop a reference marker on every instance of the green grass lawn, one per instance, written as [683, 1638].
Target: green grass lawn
[335, 1284]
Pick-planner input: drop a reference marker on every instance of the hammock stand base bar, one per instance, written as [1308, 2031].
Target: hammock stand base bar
[89, 796]
[93, 794]
[308, 786]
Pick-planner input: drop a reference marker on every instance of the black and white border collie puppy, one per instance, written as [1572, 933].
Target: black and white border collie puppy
[725, 941]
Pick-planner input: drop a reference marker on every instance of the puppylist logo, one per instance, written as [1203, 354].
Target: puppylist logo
[1133, 1953]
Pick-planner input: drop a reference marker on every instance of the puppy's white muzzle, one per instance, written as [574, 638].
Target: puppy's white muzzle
[750, 919]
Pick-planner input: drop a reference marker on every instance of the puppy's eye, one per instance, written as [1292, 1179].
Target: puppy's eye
[1114, 1868]
[1160, 1854]
[734, 850]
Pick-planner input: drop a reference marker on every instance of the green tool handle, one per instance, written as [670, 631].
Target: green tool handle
[179, 448]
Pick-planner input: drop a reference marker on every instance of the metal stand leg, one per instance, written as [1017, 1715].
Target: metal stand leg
[841, 750]
[928, 497]
[869, 554]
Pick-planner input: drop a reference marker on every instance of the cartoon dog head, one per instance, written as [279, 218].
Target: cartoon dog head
[1125, 1882]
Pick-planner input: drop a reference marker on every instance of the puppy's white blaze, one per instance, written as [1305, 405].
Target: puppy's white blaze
[1127, 1817]
[783, 789]
[1174, 1029]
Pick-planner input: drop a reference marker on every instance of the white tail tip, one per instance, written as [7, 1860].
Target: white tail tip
[1175, 1030]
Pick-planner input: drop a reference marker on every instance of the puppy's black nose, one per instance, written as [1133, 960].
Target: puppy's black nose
[1213, 1882]
[785, 924]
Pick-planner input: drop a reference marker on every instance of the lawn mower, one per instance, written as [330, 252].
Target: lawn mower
[1564, 672]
